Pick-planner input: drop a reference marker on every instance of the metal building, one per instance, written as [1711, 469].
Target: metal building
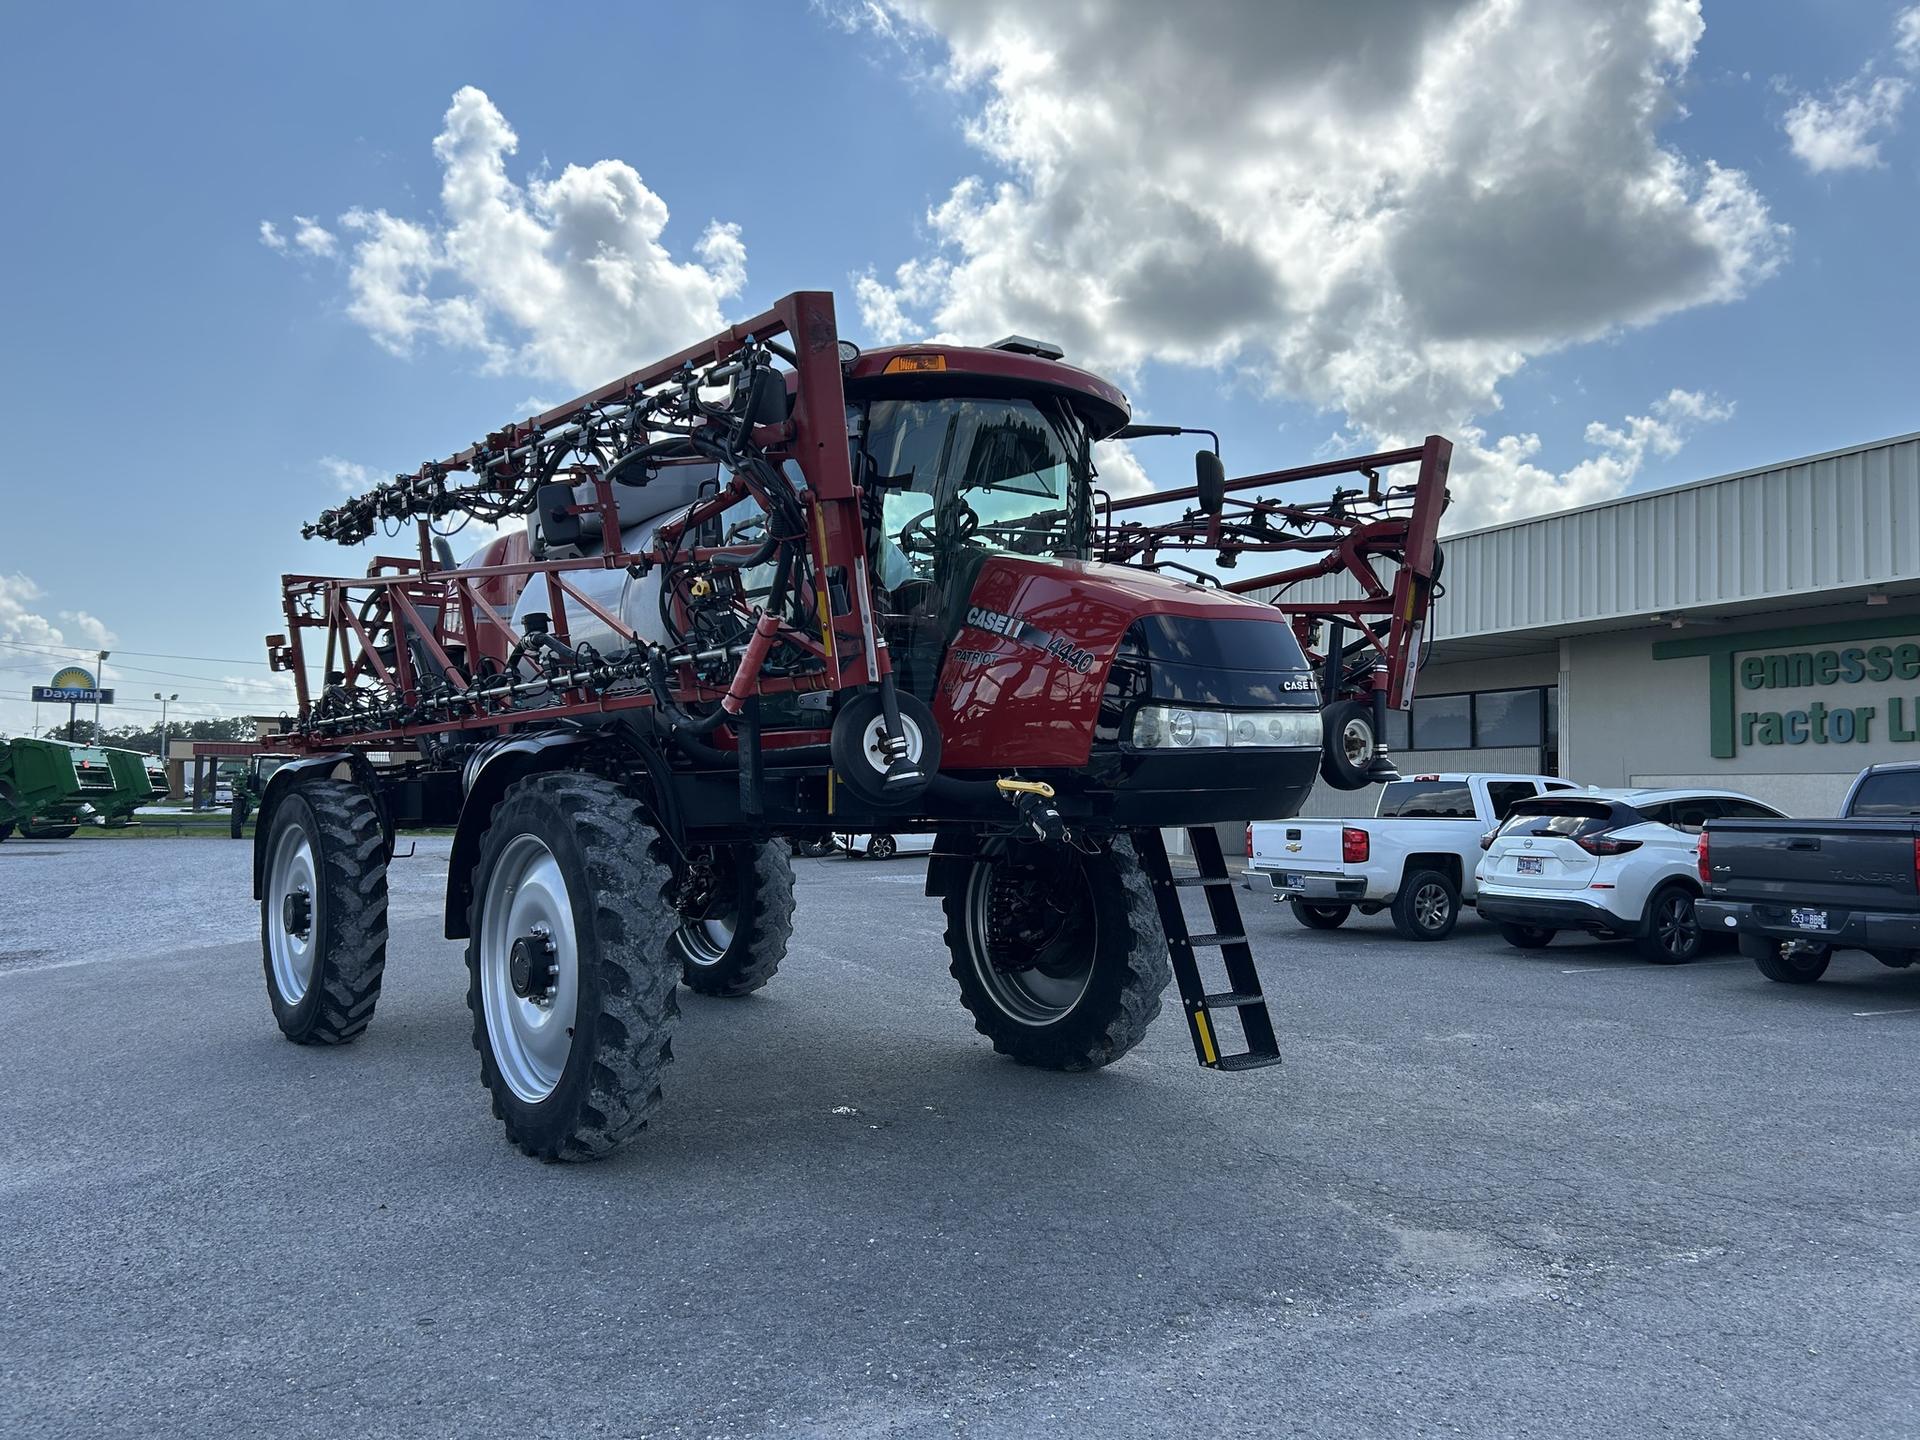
[1759, 631]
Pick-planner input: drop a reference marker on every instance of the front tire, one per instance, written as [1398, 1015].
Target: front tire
[1673, 931]
[737, 920]
[1319, 917]
[571, 970]
[1798, 965]
[1427, 907]
[323, 913]
[1059, 955]
[882, 847]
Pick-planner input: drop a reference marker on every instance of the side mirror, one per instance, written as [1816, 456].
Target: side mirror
[1210, 476]
[767, 399]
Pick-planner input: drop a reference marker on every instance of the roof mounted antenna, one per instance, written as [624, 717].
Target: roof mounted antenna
[1021, 345]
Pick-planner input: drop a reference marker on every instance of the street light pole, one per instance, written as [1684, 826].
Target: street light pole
[99, 680]
[165, 759]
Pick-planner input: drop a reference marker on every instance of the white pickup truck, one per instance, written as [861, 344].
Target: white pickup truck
[1416, 856]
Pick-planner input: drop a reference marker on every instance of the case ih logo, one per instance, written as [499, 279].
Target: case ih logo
[1017, 629]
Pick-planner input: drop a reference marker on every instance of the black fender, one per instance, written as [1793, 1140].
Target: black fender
[489, 770]
[346, 765]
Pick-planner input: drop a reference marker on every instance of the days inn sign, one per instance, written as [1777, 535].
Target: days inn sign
[1846, 684]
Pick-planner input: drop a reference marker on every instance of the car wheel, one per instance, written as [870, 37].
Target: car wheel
[1320, 917]
[882, 847]
[1790, 964]
[1527, 937]
[1427, 906]
[1672, 935]
[1347, 744]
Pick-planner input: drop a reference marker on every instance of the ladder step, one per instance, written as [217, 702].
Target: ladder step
[1234, 998]
[1201, 882]
[1222, 939]
[1247, 1061]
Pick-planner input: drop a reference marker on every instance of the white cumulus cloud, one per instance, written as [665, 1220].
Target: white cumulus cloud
[564, 277]
[1382, 210]
[1842, 129]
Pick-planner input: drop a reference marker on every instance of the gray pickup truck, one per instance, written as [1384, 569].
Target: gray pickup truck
[1795, 891]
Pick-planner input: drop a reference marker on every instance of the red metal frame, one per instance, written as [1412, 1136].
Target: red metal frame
[1356, 529]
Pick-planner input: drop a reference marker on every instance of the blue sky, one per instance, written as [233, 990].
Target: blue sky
[179, 395]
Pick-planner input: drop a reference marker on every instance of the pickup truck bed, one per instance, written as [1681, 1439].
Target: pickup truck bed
[1795, 891]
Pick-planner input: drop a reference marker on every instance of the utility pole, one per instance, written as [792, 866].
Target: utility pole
[99, 680]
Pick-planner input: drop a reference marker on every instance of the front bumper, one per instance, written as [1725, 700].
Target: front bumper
[1548, 913]
[1844, 930]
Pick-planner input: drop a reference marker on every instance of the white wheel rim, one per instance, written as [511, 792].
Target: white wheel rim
[873, 742]
[531, 1035]
[1356, 740]
[706, 941]
[291, 873]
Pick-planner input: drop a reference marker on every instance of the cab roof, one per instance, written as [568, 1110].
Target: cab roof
[962, 369]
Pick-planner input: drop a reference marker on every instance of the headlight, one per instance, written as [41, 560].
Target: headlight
[1180, 727]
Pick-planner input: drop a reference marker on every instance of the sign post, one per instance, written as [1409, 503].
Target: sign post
[74, 687]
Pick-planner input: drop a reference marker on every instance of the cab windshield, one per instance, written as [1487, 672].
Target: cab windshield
[999, 475]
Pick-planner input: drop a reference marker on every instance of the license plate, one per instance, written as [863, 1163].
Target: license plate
[1808, 919]
[1296, 882]
[1531, 865]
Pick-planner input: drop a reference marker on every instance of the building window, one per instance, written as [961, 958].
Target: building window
[1398, 736]
[1443, 722]
[1507, 717]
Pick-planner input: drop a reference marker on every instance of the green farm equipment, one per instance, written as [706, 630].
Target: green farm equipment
[248, 785]
[134, 785]
[46, 787]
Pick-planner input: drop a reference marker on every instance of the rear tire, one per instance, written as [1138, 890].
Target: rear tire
[1527, 937]
[1060, 956]
[323, 913]
[1427, 907]
[739, 937]
[1672, 930]
[571, 972]
[1800, 966]
[1319, 917]
[1347, 744]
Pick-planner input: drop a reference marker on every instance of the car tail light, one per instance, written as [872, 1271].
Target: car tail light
[1603, 845]
[1249, 842]
[1486, 840]
[1355, 846]
[1706, 868]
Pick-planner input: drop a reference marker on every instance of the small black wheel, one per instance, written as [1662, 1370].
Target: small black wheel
[1319, 917]
[1427, 907]
[1527, 937]
[860, 759]
[882, 847]
[1347, 744]
[1060, 956]
[572, 975]
[736, 907]
[6, 829]
[323, 912]
[1673, 932]
[37, 830]
[238, 819]
[1790, 964]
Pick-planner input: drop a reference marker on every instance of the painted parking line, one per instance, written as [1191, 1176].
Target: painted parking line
[1909, 1010]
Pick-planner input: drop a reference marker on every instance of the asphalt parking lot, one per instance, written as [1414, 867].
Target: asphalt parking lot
[1490, 1193]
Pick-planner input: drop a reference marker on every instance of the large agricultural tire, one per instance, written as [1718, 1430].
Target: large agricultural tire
[323, 913]
[1318, 917]
[1059, 955]
[237, 821]
[1802, 965]
[571, 971]
[736, 942]
[1427, 907]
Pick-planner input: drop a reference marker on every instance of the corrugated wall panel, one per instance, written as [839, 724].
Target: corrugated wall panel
[1847, 519]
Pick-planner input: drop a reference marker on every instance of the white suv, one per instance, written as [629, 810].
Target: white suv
[1616, 863]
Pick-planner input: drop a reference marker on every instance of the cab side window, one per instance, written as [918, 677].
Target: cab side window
[1503, 795]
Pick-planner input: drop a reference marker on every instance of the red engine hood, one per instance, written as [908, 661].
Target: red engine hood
[1024, 671]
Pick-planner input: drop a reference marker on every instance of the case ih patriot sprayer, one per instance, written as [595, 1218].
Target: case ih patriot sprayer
[770, 588]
